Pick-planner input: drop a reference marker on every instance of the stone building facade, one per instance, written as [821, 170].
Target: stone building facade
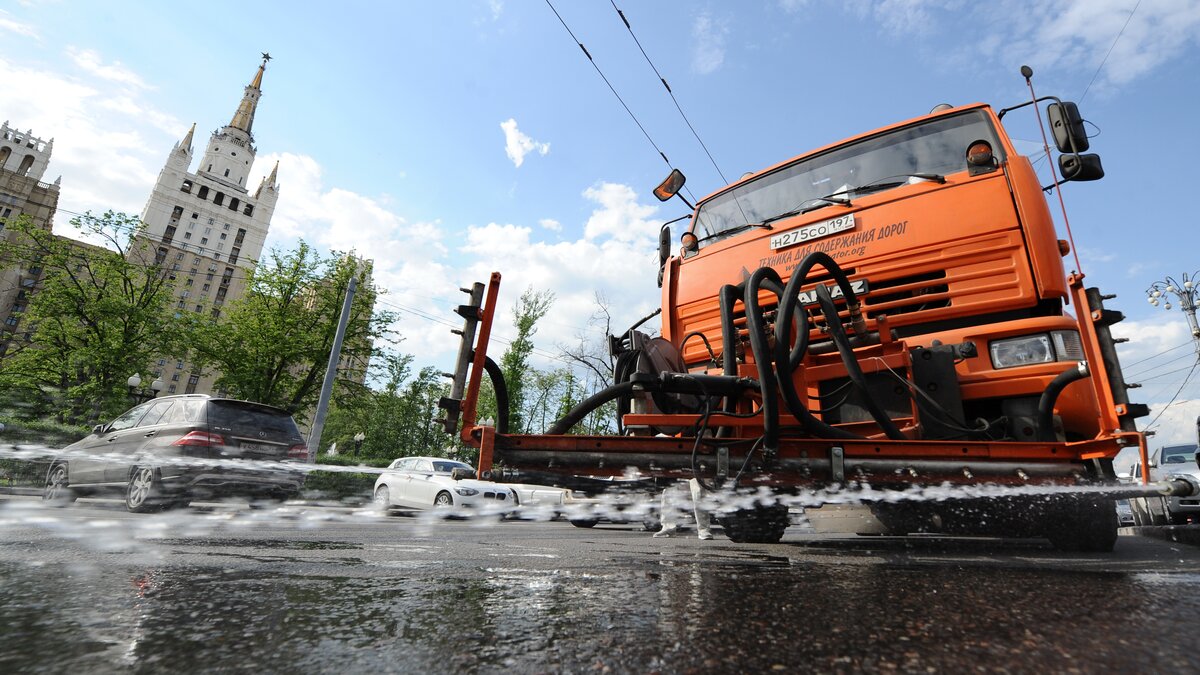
[207, 226]
[24, 159]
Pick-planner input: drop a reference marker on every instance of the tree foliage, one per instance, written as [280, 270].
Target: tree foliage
[273, 344]
[102, 314]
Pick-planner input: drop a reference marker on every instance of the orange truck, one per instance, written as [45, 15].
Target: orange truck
[887, 315]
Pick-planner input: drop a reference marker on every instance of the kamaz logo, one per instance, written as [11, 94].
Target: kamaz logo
[859, 286]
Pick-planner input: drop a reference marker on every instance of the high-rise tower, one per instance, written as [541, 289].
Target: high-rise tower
[206, 226]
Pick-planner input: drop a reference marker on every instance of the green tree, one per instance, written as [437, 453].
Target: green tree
[532, 306]
[274, 342]
[102, 313]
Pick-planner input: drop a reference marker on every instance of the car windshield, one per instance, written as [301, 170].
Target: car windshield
[1178, 454]
[446, 467]
[935, 147]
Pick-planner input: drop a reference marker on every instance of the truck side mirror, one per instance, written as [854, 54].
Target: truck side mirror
[664, 251]
[671, 186]
[1080, 167]
[1067, 125]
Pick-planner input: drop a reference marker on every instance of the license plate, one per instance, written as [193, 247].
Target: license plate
[814, 231]
[258, 447]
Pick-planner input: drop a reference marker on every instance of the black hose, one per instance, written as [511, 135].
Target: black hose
[727, 297]
[588, 405]
[853, 369]
[1045, 409]
[501, 389]
[783, 355]
[755, 328]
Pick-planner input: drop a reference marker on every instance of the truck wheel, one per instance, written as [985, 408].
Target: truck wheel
[1084, 527]
[759, 525]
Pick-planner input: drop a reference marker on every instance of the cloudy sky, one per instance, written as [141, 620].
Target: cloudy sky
[446, 140]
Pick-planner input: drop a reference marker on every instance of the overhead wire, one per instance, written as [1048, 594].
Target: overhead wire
[613, 89]
[1177, 393]
[1109, 52]
[671, 93]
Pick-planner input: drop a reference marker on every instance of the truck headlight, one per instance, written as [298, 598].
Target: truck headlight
[466, 491]
[1059, 345]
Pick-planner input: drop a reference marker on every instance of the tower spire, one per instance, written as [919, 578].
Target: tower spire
[186, 143]
[244, 117]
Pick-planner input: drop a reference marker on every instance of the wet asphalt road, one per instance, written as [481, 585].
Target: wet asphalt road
[94, 589]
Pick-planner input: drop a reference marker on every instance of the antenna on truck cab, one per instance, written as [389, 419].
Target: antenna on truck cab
[1027, 73]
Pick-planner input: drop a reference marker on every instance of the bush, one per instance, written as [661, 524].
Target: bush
[345, 486]
[29, 470]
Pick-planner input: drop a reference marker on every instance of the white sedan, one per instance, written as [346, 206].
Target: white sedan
[431, 482]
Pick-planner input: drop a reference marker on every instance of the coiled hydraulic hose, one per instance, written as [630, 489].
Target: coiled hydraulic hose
[853, 369]
[764, 277]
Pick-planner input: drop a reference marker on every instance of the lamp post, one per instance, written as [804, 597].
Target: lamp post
[142, 395]
[1160, 293]
[358, 439]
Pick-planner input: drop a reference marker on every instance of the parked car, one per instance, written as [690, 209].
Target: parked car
[173, 449]
[1168, 461]
[433, 482]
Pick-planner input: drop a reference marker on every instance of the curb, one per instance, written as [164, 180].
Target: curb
[1180, 534]
[11, 490]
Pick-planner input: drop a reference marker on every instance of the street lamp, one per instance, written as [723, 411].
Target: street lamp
[1160, 293]
[141, 395]
[358, 439]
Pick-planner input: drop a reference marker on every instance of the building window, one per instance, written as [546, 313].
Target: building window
[219, 199]
[203, 193]
[233, 255]
[12, 321]
[179, 256]
[225, 226]
[240, 236]
[195, 261]
[157, 374]
[161, 362]
[175, 377]
[187, 235]
[171, 389]
[188, 282]
[194, 216]
[223, 235]
[249, 210]
[206, 287]
[227, 173]
[175, 267]
[210, 221]
[179, 364]
[220, 246]
[194, 379]
[209, 276]
[234, 203]
[204, 241]
[187, 186]
[199, 308]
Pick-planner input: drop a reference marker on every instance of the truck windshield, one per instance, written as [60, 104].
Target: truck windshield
[938, 146]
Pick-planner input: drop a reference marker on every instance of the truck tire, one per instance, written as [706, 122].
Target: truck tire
[1084, 526]
[758, 525]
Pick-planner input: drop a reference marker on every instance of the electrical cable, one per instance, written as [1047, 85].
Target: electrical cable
[614, 91]
[1177, 393]
[1110, 49]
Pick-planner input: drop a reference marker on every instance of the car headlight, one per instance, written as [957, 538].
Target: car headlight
[466, 491]
[1059, 345]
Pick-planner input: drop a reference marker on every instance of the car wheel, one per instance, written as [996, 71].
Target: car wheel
[443, 500]
[383, 499]
[141, 494]
[584, 523]
[57, 492]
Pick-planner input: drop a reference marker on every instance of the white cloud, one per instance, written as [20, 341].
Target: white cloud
[91, 61]
[708, 43]
[517, 144]
[793, 6]
[13, 26]
[497, 8]
[1072, 36]
[551, 224]
[104, 149]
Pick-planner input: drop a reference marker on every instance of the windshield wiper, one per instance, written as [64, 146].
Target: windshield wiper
[886, 183]
[827, 200]
[732, 231]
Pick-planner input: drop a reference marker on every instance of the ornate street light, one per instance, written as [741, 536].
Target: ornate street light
[1159, 294]
[358, 439]
[142, 395]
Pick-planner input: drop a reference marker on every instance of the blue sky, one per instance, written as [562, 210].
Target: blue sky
[448, 139]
